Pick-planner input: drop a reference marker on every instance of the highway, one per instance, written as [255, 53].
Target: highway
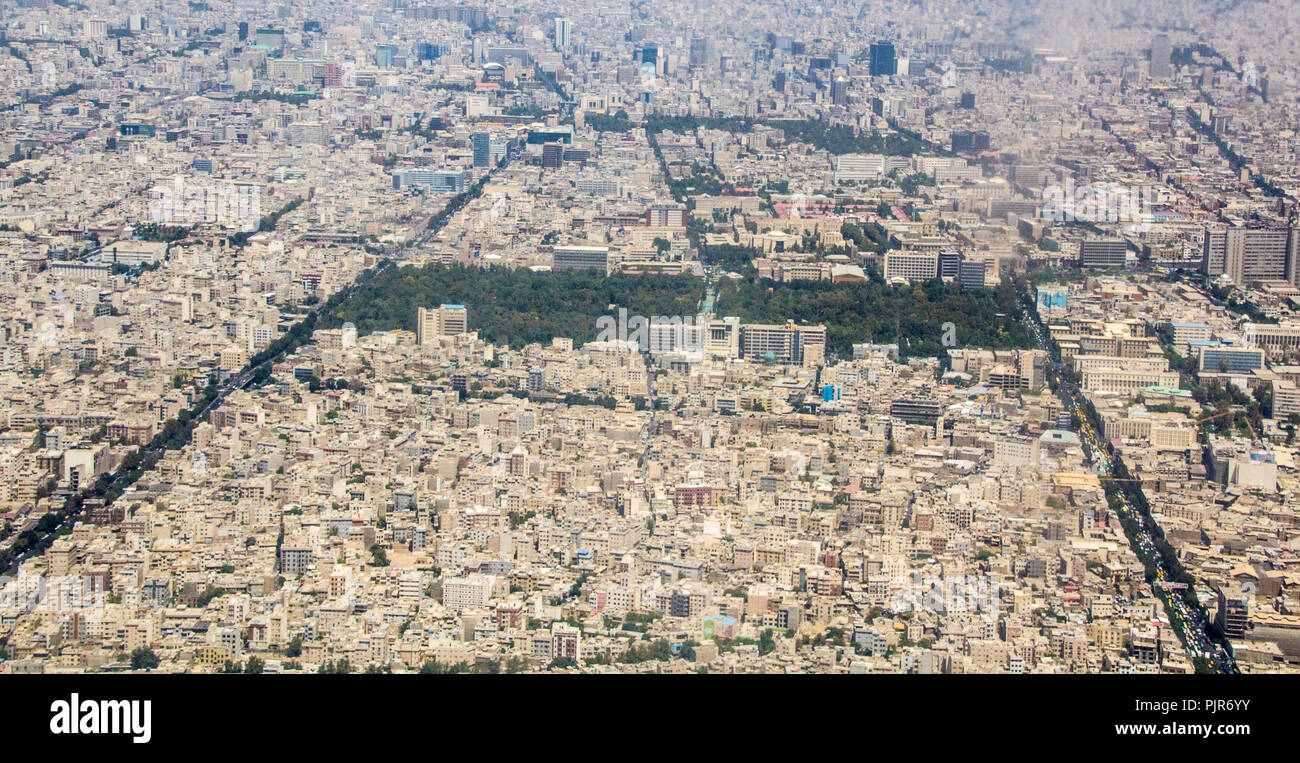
[1189, 622]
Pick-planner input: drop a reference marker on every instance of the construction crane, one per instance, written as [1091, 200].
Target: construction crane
[1249, 427]
[1215, 416]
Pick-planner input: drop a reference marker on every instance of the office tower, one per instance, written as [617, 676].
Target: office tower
[444, 320]
[427, 51]
[580, 258]
[973, 274]
[553, 155]
[783, 343]
[482, 149]
[1253, 255]
[665, 216]
[562, 32]
[968, 100]
[778, 82]
[1096, 252]
[384, 55]
[882, 59]
[949, 264]
[911, 265]
[699, 51]
[840, 92]
[967, 140]
[331, 75]
[1160, 54]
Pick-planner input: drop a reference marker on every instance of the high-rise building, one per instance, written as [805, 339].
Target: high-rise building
[783, 343]
[580, 258]
[665, 216]
[553, 155]
[1103, 253]
[1253, 255]
[950, 264]
[562, 31]
[699, 51]
[1160, 55]
[911, 265]
[444, 320]
[882, 59]
[969, 140]
[482, 142]
[973, 274]
[331, 74]
[840, 92]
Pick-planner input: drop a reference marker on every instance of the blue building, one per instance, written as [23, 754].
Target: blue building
[1230, 360]
[882, 59]
[482, 149]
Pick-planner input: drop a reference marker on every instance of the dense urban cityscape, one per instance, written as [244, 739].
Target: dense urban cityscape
[425, 336]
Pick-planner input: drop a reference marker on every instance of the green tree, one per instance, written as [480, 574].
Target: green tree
[144, 658]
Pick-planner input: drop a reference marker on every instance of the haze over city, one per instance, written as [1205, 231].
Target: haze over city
[628, 337]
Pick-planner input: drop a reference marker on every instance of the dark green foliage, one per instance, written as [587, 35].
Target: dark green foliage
[844, 139]
[729, 256]
[266, 223]
[868, 236]
[514, 307]
[606, 123]
[144, 659]
[155, 232]
[853, 313]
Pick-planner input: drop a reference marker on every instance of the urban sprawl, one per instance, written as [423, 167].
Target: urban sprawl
[422, 337]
